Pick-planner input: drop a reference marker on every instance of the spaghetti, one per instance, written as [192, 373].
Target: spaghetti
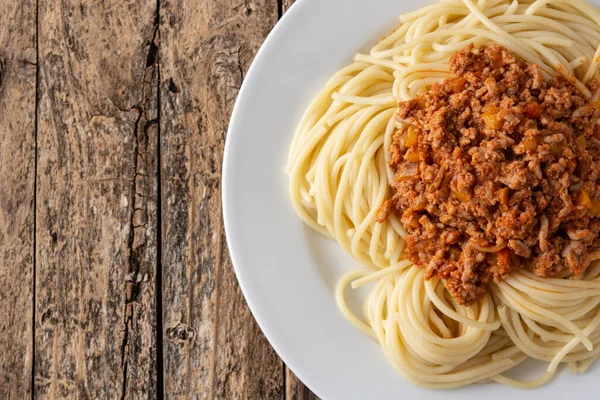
[339, 179]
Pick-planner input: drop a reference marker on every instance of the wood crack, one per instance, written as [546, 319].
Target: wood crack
[1, 71]
[141, 128]
[160, 388]
[35, 188]
[240, 66]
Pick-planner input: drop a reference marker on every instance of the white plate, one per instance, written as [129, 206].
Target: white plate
[286, 271]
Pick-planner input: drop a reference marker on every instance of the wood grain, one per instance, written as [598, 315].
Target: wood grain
[286, 4]
[295, 389]
[96, 200]
[17, 177]
[213, 347]
[103, 105]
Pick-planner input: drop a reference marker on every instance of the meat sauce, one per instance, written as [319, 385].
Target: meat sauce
[496, 169]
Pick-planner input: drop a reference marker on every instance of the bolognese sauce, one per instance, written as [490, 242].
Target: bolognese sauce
[496, 169]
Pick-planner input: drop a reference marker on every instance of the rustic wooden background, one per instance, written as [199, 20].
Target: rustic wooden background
[115, 279]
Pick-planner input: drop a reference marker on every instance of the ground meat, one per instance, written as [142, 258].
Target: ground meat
[496, 169]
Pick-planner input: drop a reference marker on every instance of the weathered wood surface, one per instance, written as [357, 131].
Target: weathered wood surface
[286, 4]
[17, 176]
[213, 348]
[96, 200]
[116, 277]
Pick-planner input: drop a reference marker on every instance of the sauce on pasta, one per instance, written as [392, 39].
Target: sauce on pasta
[495, 170]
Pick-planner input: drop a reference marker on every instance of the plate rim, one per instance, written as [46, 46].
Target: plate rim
[225, 204]
[317, 386]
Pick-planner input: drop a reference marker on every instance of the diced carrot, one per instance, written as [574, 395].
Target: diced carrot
[456, 85]
[583, 199]
[412, 155]
[411, 136]
[595, 104]
[595, 208]
[504, 256]
[529, 144]
[462, 196]
[491, 118]
[503, 195]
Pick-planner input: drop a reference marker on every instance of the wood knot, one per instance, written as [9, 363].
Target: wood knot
[172, 86]
[181, 333]
[49, 318]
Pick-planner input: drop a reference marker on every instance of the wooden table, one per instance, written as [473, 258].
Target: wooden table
[115, 279]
